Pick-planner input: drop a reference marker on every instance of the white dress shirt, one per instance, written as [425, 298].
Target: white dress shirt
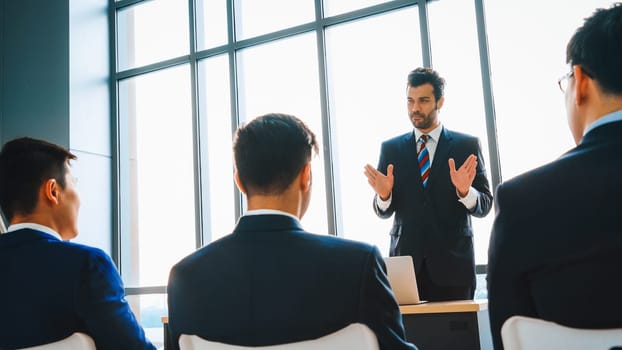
[609, 118]
[35, 227]
[270, 212]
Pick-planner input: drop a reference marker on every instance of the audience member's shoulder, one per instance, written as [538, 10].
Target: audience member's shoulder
[517, 183]
[544, 174]
[198, 255]
[83, 250]
[341, 243]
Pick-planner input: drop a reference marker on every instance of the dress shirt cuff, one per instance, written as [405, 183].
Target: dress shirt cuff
[470, 200]
[383, 205]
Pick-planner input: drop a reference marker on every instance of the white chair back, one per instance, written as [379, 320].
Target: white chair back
[76, 341]
[526, 333]
[2, 227]
[355, 336]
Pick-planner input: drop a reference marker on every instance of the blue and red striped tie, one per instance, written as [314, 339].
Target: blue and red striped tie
[424, 159]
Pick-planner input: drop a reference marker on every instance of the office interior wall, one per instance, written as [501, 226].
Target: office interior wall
[36, 67]
[54, 75]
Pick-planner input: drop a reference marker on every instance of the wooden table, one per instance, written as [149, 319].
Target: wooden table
[456, 325]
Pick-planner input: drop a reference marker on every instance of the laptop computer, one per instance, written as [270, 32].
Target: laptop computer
[401, 273]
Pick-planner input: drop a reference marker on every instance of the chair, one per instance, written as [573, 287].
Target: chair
[76, 341]
[526, 333]
[354, 336]
[2, 227]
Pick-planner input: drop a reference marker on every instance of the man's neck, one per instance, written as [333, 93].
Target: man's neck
[37, 217]
[272, 203]
[33, 218]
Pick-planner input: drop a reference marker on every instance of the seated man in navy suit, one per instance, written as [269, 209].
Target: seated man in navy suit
[271, 282]
[556, 246]
[52, 288]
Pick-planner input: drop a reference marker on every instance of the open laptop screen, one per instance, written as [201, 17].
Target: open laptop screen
[401, 273]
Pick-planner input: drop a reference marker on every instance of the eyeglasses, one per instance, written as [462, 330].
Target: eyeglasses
[563, 81]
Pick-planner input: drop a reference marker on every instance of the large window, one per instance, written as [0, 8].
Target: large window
[368, 106]
[282, 76]
[155, 109]
[181, 93]
[218, 195]
[187, 76]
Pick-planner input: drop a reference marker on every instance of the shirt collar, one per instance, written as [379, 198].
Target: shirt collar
[434, 134]
[33, 226]
[270, 212]
[606, 119]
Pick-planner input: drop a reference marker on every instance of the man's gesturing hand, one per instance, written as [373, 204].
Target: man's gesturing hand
[463, 177]
[382, 184]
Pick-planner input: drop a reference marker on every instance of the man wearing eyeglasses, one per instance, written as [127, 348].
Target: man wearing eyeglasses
[556, 245]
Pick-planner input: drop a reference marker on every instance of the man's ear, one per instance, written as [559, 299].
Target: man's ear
[306, 178]
[236, 178]
[582, 82]
[51, 191]
[440, 102]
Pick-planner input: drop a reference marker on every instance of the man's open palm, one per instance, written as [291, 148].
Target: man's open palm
[382, 184]
[463, 177]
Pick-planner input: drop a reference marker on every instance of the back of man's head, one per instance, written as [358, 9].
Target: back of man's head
[25, 164]
[597, 48]
[270, 151]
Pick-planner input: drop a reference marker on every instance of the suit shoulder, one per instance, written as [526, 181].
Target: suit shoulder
[397, 139]
[461, 136]
[94, 255]
[542, 173]
[200, 255]
[79, 249]
[79, 256]
[539, 182]
[343, 243]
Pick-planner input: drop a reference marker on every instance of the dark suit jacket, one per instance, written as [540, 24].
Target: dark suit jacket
[270, 282]
[51, 289]
[431, 223]
[556, 246]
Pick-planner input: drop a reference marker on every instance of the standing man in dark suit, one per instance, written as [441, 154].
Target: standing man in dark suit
[270, 282]
[416, 179]
[556, 245]
[52, 288]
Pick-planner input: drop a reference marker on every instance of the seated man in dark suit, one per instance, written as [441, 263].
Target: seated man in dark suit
[556, 245]
[52, 288]
[270, 282]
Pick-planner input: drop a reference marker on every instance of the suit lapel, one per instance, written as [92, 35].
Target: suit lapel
[440, 156]
[410, 153]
